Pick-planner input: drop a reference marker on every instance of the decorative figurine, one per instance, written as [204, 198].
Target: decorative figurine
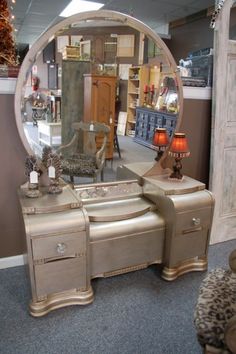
[32, 171]
[52, 162]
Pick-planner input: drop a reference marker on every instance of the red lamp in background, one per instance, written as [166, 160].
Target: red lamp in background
[160, 141]
[35, 83]
[178, 149]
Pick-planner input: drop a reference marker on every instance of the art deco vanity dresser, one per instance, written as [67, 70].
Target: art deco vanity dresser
[106, 229]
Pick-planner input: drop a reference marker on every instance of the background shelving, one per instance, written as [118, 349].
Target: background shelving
[138, 77]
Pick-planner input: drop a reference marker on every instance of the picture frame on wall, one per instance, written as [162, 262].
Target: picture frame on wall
[75, 40]
[125, 45]
[62, 42]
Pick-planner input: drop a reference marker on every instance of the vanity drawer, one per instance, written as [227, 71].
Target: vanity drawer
[58, 245]
[190, 245]
[62, 275]
[193, 220]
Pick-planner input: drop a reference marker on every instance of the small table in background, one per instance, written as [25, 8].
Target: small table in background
[49, 133]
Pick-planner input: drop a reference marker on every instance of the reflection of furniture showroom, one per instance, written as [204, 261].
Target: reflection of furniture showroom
[49, 133]
[138, 76]
[99, 103]
[147, 120]
[38, 113]
[80, 157]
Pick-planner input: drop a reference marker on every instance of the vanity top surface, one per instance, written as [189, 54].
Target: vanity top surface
[172, 186]
[47, 203]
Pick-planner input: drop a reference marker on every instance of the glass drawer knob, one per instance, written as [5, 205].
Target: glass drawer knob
[61, 248]
[196, 221]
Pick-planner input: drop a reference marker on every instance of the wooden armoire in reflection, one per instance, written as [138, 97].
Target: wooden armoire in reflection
[99, 103]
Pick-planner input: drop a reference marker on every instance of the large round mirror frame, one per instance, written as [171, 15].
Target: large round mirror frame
[91, 15]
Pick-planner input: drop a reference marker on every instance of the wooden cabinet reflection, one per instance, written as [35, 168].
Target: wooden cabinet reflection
[99, 103]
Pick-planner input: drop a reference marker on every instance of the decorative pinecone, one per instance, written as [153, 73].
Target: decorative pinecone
[50, 158]
[55, 161]
[30, 165]
[47, 151]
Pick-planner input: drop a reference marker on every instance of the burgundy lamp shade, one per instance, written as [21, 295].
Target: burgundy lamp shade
[178, 149]
[160, 141]
[179, 146]
[160, 137]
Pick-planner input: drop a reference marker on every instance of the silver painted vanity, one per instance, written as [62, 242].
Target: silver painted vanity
[106, 229]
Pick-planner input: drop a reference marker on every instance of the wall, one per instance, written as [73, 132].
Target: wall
[12, 159]
[193, 33]
[190, 37]
[42, 74]
[196, 123]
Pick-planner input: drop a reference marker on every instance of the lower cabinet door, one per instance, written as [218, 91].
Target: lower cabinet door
[189, 245]
[62, 275]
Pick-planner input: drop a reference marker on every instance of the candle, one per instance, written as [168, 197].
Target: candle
[33, 177]
[51, 172]
[145, 89]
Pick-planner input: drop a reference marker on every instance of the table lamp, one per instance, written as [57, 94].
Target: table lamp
[160, 141]
[178, 149]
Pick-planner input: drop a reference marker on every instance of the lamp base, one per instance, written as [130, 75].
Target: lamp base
[176, 174]
[175, 179]
[159, 155]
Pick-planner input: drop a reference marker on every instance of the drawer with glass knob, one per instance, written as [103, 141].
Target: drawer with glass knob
[193, 220]
[57, 246]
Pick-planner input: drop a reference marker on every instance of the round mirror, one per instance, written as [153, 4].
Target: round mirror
[126, 59]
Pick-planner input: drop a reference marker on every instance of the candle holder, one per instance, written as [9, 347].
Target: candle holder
[152, 91]
[145, 91]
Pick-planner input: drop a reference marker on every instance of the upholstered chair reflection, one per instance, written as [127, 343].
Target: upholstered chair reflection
[84, 155]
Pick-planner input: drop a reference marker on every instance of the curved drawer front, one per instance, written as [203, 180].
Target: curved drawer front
[186, 246]
[194, 220]
[119, 209]
[59, 276]
[108, 230]
[120, 245]
[58, 246]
